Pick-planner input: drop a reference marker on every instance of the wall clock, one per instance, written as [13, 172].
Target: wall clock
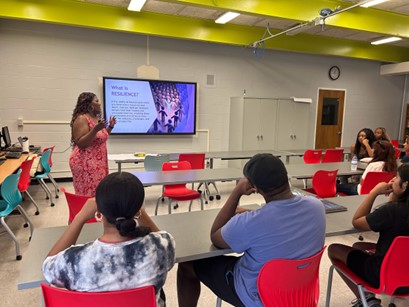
[334, 73]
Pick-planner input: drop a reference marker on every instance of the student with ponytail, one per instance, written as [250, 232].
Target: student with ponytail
[131, 252]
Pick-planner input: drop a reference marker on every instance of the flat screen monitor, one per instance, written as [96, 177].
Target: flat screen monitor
[6, 136]
[150, 107]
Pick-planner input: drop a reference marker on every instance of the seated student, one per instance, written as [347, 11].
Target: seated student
[405, 158]
[390, 220]
[363, 144]
[383, 161]
[131, 252]
[382, 135]
[281, 228]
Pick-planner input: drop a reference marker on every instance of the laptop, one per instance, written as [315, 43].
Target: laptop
[331, 207]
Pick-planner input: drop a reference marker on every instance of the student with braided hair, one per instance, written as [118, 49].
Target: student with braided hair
[131, 252]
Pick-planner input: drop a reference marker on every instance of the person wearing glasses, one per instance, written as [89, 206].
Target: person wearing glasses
[383, 160]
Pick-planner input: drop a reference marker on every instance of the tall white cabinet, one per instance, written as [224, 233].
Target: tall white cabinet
[268, 123]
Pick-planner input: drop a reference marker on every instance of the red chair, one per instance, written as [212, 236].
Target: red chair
[290, 283]
[312, 156]
[50, 162]
[395, 143]
[25, 180]
[75, 204]
[178, 192]
[333, 155]
[397, 153]
[373, 178]
[197, 161]
[394, 273]
[324, 183]
[58, 297]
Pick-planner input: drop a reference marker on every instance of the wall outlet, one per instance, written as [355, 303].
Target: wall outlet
[20, 122]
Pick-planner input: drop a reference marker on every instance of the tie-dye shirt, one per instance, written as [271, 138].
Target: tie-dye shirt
[98, 266]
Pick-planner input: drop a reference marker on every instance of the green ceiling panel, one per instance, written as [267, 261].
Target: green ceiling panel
[119, 19]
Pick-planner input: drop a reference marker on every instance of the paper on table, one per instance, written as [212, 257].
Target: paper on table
[122, 157]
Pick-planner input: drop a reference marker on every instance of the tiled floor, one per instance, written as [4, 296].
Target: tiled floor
[56, 216]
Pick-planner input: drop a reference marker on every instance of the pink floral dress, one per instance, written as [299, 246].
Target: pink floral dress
[89, 165]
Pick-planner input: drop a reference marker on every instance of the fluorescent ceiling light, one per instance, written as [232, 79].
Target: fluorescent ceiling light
[386, 40]
[372, 3]
[136, 5]
[226, 17]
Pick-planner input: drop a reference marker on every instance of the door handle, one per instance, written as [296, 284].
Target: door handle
[339, 132]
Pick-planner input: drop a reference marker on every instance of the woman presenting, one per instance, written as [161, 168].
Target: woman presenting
[89, 161]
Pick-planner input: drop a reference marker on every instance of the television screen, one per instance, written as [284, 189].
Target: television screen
[150, 106]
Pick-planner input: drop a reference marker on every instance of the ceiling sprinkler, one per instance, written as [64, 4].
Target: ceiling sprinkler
[325, 12]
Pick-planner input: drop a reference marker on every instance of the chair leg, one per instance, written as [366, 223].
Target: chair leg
[190, 205]
[56, 188]
[329, 286]
[25, 216]
[201, 203]
[157, 205]
[218, 302]
[218, 197]
[362, 295]
[170, 206]
[18, 255]
[205, 191]
[34, 203]
[47, 191]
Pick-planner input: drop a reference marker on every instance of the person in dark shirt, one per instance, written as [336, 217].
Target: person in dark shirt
[389, 220]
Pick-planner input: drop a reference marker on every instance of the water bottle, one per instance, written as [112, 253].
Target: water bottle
[354, 163]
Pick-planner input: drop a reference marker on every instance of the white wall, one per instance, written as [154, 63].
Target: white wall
[44, 67]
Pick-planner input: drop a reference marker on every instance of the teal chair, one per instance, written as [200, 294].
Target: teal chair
[11, 200]
[43, 173]
[154, 163]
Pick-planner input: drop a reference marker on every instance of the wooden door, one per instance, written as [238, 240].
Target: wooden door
[329, 119]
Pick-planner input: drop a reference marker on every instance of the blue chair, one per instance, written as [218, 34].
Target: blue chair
[45, 171]
[11, 200]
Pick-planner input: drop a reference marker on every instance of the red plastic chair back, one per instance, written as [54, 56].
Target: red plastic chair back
[373, 178]
[57, 297]
[25, 178]
[50, 161]
[394, 269]
[395, 143]
[397, 153]
[290, 283]
[312, 156]
[178, 191]
[196, 160]
[75, 204]
[333, 155]
[324, 183]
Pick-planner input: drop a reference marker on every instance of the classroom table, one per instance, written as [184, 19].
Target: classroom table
[10, 166]
[306, 171]
[211, 155]
[191, 231]
[188, 176]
